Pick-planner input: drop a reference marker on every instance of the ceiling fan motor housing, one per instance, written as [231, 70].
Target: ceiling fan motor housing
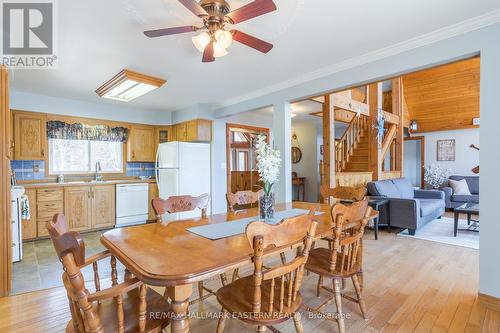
[217, 11]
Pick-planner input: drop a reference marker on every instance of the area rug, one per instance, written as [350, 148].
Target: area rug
[441, 231]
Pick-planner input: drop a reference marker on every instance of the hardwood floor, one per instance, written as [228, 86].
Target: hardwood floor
[411, 285]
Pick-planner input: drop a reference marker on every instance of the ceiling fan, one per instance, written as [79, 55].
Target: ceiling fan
[214, 40]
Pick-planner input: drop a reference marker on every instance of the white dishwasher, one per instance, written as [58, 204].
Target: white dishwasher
[131, 204]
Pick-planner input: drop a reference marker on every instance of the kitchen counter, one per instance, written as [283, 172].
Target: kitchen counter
[84, 183]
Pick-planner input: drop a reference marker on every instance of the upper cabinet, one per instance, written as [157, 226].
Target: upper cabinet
[141, 145]
[197, 130]
[163, 134]
[30, 136]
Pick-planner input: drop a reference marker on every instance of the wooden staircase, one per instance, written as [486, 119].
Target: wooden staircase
[352, 149]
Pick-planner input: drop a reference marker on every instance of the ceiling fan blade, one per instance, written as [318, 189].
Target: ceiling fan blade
[251, 10]
[208, 54]
[194, 7]
[169, 31]
[251, 41]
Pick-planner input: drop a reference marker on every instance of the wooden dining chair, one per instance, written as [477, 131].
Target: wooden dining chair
[124, 307]
[242, 200]
[338, 193]
[351, 193]
[270, 296]
[179, 204]
[186, 203]
[344, 259]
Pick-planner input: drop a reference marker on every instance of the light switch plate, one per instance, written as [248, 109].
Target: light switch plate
[223, 165]
[36, 168]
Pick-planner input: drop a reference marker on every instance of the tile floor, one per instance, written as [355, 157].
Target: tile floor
[41, 269]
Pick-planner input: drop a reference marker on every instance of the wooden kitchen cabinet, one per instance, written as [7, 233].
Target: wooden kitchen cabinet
[163, 134]
[29, 227]
[77, 207]
[30, 136]
[153, 193]
[103, 206]
[89, 207]
[49, 201]
[180, 132]
[141, 145]
[196, 130]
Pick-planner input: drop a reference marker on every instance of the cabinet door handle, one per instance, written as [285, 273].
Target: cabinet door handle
[88, 195]
[43, 152]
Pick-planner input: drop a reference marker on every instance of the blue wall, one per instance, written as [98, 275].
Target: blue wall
[24, 169]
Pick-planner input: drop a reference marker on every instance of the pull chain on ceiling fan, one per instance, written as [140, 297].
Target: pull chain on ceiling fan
[214, 40]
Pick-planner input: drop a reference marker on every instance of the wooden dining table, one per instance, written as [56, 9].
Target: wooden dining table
[171, 256]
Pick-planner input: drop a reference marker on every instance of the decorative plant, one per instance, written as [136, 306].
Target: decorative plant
[435, 175]
[268, 163]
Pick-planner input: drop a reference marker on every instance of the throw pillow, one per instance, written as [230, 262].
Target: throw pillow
[459, 187]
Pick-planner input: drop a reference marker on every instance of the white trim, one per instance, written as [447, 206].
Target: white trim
[463, 27]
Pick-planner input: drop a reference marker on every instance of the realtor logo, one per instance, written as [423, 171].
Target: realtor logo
[29, 34]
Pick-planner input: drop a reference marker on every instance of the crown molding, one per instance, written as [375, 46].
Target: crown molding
[457, 29]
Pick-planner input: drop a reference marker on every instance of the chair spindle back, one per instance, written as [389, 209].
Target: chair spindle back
[286, 279]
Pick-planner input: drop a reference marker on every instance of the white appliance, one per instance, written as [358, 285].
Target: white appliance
[183, 168]
[131, 204]
[16, 193]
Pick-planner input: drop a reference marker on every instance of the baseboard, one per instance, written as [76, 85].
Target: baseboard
[490, 302]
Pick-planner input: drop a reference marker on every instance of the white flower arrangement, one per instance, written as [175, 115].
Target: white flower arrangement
[435, 175]
[268, 163]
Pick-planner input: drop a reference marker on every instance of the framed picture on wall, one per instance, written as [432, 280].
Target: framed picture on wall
[446, 150]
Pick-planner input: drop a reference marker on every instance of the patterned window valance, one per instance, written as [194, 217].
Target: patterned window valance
[61, 130]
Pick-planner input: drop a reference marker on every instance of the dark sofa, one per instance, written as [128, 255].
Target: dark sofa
[453, 201]
[408, 208]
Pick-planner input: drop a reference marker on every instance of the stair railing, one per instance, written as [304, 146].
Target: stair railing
[345, 146]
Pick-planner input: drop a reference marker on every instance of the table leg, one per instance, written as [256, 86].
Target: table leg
[456, 224]
[376, 227]
[468, 218]
[180, 301]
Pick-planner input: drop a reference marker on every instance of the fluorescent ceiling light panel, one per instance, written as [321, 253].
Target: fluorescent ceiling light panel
[128, 85]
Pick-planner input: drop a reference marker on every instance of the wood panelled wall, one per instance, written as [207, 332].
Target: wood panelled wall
[5, 218]
[445, 97]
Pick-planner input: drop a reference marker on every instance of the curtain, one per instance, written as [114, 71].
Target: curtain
[61, 130]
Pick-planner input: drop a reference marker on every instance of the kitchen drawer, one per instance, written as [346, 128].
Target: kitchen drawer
[46, 210]
[49, 194]
[42, 229]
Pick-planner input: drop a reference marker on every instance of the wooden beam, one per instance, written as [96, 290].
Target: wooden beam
[391, 118]
[389, 137]
[374, 151]
[343, 101]
[328, 142]
[397, 109]
[5, 218]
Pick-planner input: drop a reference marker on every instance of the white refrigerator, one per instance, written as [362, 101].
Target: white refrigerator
[183, 168]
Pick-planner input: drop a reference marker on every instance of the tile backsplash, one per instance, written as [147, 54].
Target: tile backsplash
[32, 170]
[138, 169]
[28, 170]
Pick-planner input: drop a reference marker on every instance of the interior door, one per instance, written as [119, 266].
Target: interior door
[242, 157]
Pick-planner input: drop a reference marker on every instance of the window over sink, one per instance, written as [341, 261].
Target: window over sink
[81, 156]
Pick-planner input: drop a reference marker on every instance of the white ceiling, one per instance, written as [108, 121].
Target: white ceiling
[99, 38]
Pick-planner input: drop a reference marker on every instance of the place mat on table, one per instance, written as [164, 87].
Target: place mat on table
[236, 227]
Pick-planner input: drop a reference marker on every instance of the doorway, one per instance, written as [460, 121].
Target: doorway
[414, 160]
[241, 161]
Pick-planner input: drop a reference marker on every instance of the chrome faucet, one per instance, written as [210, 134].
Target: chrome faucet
[98, 176]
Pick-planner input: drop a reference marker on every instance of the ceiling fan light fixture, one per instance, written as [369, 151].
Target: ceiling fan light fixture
[201, 41]
[219, 51]
[224, 38]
